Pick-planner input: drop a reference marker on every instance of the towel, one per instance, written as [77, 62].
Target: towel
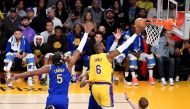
[20, 47]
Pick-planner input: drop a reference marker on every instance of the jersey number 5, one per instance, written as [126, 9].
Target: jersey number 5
[59, 78]
[98, 69]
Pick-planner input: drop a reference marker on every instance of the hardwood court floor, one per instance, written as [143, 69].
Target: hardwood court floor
[160, 97]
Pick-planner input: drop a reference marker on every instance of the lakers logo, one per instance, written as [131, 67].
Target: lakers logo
[77, 41]
[37, 52]
[57, 45]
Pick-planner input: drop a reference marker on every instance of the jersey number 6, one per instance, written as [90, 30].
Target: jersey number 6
[98, 69]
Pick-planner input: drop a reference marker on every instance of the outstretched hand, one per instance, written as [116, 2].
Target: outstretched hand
[89, 27]
[117, 34]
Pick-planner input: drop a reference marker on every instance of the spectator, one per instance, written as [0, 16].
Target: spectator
[20, 5]
[88, 20]
[182, 54]
[30, 13]
[146, 4]
[131, 11]
[27, 31]
[96, 10]
[11, 22]
[102, 29]
[18, 47]
[72, 20]
[60, 12]
[119, 14]
[49, 31]
[40, 49]
[162, 53]
[51, 3]
[39, 22]
[58, 42]
[141, 13]
[109, 22]
[41, 7]
[55, 20]
[152, 13]
[79, 7]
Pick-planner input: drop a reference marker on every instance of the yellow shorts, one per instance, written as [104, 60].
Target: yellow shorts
[103, 94]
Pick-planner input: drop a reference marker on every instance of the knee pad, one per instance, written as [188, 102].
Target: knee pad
[151, 61]
[133, 61]
[9, 57]
[30, 62]
[8, 61]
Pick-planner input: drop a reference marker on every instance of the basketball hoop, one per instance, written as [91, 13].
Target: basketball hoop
[154, 28]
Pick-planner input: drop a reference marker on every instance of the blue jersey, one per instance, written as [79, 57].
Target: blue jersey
[59, 80]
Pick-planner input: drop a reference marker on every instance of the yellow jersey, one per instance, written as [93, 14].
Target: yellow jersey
[100, 68]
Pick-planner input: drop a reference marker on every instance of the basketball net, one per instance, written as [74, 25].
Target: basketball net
[154, 28]
[153, 34]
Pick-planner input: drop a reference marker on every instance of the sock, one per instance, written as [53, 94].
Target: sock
[150, 73]
[133, 74]
[126, 74]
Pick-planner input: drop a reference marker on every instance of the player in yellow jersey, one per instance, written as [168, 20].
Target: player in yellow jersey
[100, 71]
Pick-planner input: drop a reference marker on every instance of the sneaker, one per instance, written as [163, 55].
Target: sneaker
[43, 81]
[177, 78]
[171, 81]
[73, 79]
[127, 82]
[151, 81]
[163, 82]
[135, 81]
[30, 82]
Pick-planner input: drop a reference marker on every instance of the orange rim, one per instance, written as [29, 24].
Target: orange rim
[167, 24]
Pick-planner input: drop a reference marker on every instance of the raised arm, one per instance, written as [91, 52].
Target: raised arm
[124, 46]
[44, 69]
[78, 51]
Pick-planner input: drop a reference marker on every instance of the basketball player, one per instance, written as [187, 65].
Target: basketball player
[100, 72]
[59, 73]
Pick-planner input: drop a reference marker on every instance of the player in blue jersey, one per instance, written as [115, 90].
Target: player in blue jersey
[59, 74]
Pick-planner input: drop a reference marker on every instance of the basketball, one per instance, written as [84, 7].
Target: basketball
[140, 23]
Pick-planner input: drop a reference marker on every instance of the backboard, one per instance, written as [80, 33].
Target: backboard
[169, 9]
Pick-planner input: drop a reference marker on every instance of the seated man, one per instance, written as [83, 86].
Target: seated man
[137, 53]
[162, 53]
[182, 54]
[18, 47]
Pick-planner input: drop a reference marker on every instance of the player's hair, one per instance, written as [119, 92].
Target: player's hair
[143, 103]
[57, 58]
